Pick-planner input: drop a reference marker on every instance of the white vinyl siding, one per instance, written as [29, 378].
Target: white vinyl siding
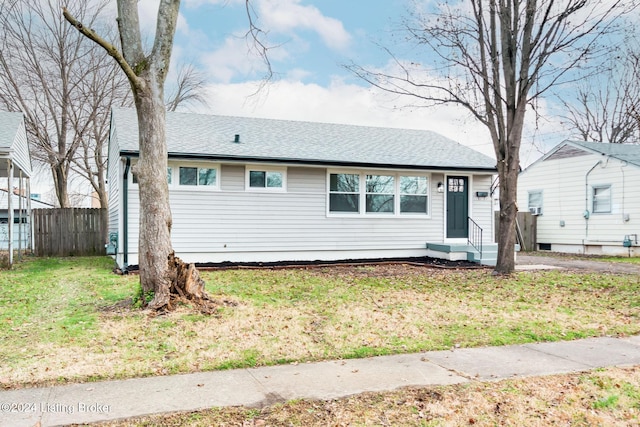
[114, 178]
[234, 224]
[20, 156]
[568, 194]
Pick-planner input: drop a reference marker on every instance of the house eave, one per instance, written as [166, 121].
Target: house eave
[317, 162]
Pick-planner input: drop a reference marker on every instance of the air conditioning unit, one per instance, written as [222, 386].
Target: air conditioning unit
[535, 211]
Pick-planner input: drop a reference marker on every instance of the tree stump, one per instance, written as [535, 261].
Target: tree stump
[186, 285]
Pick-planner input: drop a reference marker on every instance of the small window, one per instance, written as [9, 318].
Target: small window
[344, 192]
[413, 194]
[266, 179]
[197, 176]
[602, 199]
[535, 201]
[456, 185]
[169, 173]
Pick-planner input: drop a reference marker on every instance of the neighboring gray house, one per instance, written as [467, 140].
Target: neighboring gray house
[261, 190]
[15, 165]
[586, 196]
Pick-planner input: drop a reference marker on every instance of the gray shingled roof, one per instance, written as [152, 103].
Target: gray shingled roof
[209, 136]
[629, 153]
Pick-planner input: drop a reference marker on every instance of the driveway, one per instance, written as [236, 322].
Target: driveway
[529, 261]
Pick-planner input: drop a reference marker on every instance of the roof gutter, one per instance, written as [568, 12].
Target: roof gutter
[317, 162]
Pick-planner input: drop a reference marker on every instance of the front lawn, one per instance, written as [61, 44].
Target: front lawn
[60, 319]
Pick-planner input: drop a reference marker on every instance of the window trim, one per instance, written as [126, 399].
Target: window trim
[541, 205]
[175, 166]
[175, 175]
[593, 199]
[362, 194]
[267, 169]
[400, 194]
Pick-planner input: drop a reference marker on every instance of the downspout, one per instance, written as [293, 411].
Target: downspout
[624, 215]
[125, 216]
[20, 207]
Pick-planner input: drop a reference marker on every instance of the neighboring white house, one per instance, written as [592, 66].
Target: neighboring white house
[15, 164]
[21, 219]
[261, 190]
[586, 196]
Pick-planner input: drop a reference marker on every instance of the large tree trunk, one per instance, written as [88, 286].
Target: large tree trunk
[505, 263]
[155, 213]
[160, 272]
[60, 183]
[508, 155]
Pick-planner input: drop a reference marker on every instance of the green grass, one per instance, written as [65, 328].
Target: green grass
[631, 260]
[56, 301]
[55, 325]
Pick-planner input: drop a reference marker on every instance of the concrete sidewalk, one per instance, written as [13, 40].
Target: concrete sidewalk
[111, 400]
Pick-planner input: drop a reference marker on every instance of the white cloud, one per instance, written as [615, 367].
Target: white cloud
[287, 16]
[233, 58]
[148, 15]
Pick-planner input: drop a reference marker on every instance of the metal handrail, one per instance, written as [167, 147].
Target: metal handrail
[475, 236]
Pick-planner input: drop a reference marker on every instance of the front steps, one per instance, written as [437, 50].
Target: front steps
[462, 252]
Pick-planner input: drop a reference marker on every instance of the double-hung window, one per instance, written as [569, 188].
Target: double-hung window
[414, 194]
[601, 199]
[344, 192]
[380, 194]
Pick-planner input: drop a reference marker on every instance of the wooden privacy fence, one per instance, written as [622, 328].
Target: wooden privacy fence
[68, 232]
[526, 231]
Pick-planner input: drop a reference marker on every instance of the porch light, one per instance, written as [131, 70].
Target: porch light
[440, 187]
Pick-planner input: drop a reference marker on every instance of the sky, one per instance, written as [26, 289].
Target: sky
[312, 41]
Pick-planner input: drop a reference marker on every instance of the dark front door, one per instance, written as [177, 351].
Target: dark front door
[457, 207]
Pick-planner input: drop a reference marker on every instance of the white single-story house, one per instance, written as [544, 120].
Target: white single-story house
[15, 165]
[262, 190]
[586, 196]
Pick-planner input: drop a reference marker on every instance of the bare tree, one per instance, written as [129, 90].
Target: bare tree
[146, 74]
[160, 271]
[494, 57]
[42, 69]
[100, 90]
[605, 108]
[189, 88]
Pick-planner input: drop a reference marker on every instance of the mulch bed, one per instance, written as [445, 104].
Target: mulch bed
[418, 261]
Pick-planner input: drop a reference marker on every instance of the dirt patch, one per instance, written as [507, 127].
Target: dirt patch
[578, 263]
